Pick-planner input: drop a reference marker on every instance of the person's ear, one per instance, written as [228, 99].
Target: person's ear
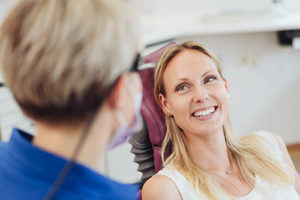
[164, 105]
[226, 85]
[117, 93]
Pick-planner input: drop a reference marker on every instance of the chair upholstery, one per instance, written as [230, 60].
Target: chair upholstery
[150, 110]
[146, 145]
[153, 117]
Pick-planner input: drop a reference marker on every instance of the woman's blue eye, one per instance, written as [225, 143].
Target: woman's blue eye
[209, 79]
[181, 87]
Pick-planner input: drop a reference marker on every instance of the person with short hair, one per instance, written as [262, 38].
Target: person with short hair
[207, 161]
[70, 66]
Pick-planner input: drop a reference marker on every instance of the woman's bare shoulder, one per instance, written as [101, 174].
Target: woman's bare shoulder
[160, 187]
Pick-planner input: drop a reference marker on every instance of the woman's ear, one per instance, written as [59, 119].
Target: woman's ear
[226, 85]
[164, 105]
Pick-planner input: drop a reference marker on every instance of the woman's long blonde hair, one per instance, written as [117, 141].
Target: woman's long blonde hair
[252, 155]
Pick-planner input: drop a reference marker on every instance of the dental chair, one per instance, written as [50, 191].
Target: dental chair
[146, 145]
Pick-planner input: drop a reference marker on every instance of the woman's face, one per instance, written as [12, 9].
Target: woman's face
[196, 94]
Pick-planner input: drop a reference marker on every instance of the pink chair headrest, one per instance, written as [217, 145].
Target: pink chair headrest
[151, 111]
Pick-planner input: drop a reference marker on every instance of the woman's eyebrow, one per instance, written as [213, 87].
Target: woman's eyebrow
[207, 72]
[186, 79]
[183, 79]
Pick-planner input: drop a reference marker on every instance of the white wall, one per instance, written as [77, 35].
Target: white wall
[199, 7]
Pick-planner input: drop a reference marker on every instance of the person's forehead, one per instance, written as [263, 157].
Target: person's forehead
[188, 62]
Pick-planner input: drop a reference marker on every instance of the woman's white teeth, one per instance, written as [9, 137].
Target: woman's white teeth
[205, 112]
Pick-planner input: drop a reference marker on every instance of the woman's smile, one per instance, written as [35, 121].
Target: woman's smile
[205, 114]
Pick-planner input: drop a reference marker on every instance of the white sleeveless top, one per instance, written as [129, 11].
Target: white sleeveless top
[270, 191]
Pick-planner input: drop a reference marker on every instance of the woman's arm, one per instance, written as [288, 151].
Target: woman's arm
[160, 187]
[288, 159]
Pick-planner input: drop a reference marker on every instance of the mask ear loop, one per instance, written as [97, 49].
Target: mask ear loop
[122, 123]
[130, 87]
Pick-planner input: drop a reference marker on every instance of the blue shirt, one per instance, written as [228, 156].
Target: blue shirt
[27, 172]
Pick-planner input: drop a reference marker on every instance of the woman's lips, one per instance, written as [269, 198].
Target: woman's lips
[203, 114]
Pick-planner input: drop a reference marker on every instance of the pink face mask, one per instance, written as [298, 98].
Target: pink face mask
[122, 134]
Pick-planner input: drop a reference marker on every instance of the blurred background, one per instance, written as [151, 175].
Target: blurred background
[258, 44]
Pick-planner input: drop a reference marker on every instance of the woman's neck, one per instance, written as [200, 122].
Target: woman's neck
[62, 139]
[210, 151]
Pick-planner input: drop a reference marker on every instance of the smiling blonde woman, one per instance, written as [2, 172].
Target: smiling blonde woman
[207, 160]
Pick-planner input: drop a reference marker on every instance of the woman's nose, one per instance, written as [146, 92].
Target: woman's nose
[200, 94]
